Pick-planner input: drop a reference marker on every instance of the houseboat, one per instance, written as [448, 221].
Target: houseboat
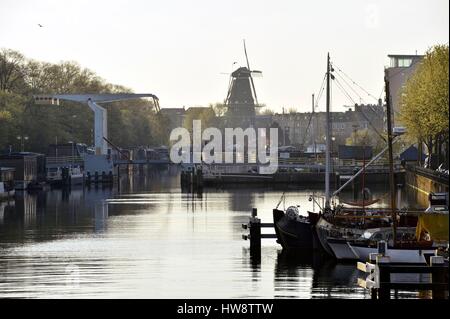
[25, 168]
[6, 182]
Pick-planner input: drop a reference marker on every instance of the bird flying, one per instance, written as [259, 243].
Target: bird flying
[40, 25]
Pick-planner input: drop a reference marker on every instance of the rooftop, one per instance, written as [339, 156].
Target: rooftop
[405, 55]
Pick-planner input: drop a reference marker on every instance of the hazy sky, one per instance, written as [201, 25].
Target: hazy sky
[178, 49]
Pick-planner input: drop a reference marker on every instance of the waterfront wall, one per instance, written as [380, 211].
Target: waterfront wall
[420, 182]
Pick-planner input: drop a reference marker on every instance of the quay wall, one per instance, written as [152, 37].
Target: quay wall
[420, 182]
[303, 178]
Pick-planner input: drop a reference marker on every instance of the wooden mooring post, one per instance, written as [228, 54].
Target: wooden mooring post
[254, 226]
[379, 280]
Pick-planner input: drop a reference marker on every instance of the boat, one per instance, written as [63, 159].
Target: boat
[71, 175]
[342, 231]
[408, 249]
[361, 203]
[309, 232]
[6, 182]
[416, 253]
[348, 249]
[293, 230]
[411, 245]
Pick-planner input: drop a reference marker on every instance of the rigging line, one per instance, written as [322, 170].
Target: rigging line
[369, 105]
[373, 127]
[315, 105]
[319, 95]
[355, 83]
[306, 130]
[344, 91]
[360, 111]
[342, 78]
[381, 93]
[361, 99]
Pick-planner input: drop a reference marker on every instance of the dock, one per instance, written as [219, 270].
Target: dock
[381, 273]
[299, 172]
[254, 226]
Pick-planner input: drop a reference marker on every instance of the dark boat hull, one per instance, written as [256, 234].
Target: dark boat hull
[293, 234]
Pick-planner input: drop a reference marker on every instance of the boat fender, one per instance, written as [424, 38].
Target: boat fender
[292, 212]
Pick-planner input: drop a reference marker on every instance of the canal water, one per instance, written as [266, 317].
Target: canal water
[152, 240]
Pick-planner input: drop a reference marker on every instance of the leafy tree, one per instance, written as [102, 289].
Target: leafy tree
[267, 112]
[11, 69]
[424, 101]
[130, 123]
[206, 115]
[219, 109]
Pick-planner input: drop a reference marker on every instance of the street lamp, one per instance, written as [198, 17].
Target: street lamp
[73, 140]
[22, 140]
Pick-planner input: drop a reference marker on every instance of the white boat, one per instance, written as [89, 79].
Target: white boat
[55, 175]
[412, 246]
[342, 248]
[76, 175]
[413, 255]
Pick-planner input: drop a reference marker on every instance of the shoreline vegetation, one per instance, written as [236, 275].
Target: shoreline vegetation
[24, 125]
[130, 123]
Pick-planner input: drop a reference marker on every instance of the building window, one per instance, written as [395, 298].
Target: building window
[404, 63]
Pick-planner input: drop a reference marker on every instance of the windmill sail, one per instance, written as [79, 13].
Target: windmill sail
[251, 78]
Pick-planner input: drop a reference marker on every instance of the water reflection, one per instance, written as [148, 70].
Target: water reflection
[316, 275]
[149, 239]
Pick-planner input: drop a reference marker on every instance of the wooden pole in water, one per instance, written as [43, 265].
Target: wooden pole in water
[255, 233]
[391, 157]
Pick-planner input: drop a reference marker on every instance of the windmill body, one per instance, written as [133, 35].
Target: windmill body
[240, 101]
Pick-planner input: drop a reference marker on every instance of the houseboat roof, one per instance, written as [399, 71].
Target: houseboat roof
[19, 155]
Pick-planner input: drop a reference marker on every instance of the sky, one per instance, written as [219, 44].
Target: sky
[183, 51]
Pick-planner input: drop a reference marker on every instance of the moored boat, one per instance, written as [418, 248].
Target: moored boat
[6, 182]
[415, 253]
[71, 175]
[293, 230]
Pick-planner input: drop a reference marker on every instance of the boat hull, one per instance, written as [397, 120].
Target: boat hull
[396, 255]
[341, 249]
[293, 234]
[326, 230]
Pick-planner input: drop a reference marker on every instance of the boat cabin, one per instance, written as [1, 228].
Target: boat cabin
[6, 181]
[25, 167]
[438, 202]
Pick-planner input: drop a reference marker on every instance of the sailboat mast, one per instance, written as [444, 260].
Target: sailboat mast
[391, 157]
[328, 139]
[314, 130]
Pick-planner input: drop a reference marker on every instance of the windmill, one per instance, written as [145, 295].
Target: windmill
[241, 88]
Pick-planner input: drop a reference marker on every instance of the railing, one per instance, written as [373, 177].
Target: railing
[64, 160]
[426, 172]
[379, 280]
